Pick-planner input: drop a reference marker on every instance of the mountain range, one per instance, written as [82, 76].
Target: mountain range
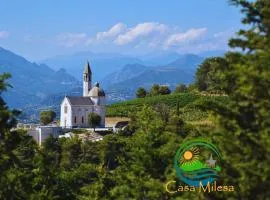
[104, 64]
[31, 82]
[41, 86]
[132, 76]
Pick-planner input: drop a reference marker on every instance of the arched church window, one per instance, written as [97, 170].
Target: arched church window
[82, 120]
[75, 119]
[65, 109]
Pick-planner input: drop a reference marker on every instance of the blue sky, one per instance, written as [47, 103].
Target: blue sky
[42, 29]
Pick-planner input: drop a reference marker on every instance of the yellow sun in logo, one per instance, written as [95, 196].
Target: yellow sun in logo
[190, 156]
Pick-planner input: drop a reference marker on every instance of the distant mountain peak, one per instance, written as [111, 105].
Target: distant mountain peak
[187, 61]
[29, 80]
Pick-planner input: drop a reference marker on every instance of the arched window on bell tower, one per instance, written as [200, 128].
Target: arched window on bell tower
[85, 77]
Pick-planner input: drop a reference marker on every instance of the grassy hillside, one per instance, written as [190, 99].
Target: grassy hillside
[187, 105]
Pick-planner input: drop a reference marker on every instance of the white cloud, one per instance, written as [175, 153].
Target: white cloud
[4, 34]
[140, 31]
[36, 39]
[178, 39]
[112, 32]
[152, 35]
[143, 37]
[71, 39]
[225, 34]
[215, 41]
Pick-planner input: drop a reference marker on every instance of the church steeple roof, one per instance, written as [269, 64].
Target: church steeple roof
[87, 69]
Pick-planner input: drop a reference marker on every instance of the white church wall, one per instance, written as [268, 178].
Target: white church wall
[81, 113]
[65, 117]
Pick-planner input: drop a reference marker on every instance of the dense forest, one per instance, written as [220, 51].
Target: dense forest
[138, 162]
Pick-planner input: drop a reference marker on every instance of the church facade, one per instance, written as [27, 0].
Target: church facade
[75, 109]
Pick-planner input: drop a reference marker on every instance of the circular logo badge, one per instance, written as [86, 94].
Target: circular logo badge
[197, 162]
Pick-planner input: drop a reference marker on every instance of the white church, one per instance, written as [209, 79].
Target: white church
[75, 109]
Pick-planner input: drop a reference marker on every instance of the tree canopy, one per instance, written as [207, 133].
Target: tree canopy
[47, 117]
[159, 90]
[180, 88]
[94, 120]
[209, 75]
[141, 92]
[244, 122]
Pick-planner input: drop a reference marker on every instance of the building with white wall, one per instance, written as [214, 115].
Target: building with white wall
[75, 109]
[41, 133]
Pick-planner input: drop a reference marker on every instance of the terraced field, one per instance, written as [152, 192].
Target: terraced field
[187, 103]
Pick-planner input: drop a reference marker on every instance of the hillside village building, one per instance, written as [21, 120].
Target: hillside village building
[75, 109]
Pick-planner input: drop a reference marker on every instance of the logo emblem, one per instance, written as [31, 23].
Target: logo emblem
[197, 162]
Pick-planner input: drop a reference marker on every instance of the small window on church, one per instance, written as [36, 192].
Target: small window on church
[75, 120]
[65, 109]
[82, 120]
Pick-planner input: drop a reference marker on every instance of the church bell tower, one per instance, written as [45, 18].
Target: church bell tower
[87, 79]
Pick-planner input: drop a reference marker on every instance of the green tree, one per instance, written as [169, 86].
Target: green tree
[71, 153]
[163, 90]
[154, 90]
[164, 111]
[141, 92]
[17, 151]
[180, 88]
[47, 117]
[192, 87]
[140, 163]
[8, 117]
[209, 74]
[94, 120]
[47, 183]
[147, 163]
[244, 122]
[159, 90]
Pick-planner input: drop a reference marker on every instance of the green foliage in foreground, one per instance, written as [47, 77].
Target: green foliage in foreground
[187, 103]
[137, 165]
